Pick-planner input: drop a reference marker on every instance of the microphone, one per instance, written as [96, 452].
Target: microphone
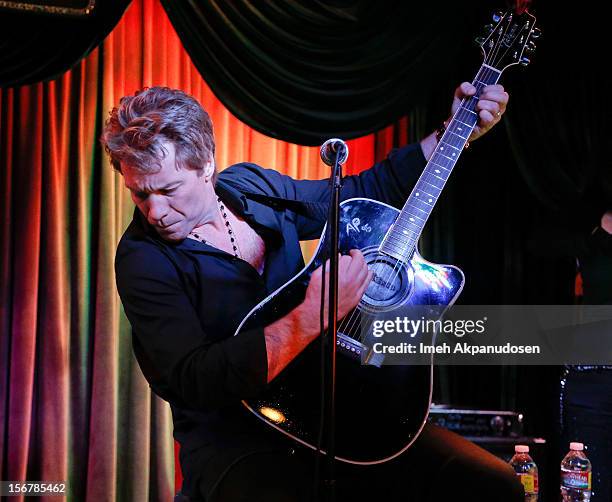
[329, 150]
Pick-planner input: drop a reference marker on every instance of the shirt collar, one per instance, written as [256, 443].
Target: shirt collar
[266, 220]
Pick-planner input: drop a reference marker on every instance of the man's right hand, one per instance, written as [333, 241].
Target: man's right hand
[288, 336]
[353, 279]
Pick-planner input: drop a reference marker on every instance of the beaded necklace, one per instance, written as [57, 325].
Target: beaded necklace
[230, 231]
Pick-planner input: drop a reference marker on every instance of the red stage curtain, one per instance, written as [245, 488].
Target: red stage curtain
[73, 403]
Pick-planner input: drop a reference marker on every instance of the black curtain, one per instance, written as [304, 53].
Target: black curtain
[36, 47]
[560, 132]
[307, 70]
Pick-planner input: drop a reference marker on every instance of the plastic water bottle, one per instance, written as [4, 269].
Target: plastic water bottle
[526, 470]
[576, 475]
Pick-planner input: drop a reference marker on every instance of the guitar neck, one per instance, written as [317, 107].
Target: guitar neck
[402, 237]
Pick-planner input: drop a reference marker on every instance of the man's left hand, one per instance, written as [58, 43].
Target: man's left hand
[490, 107]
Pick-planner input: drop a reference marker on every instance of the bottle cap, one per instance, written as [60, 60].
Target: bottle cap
[576, 446]
[521, 448]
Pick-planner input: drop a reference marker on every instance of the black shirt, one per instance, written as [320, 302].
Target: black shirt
[185, 300]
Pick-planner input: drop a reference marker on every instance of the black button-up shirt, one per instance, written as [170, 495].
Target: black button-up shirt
[185, 300]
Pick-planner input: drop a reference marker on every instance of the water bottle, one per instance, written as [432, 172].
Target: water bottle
[576, 475]
[526, 470]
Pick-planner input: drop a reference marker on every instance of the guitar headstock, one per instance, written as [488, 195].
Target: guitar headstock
[508, 39]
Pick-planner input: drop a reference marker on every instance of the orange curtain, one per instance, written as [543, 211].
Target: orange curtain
[74, 406]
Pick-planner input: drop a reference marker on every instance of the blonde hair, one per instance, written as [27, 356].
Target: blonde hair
[136, 130]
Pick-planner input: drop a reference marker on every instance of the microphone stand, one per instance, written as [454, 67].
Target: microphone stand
[332, 329]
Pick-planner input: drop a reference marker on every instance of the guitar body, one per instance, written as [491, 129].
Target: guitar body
[379, 409]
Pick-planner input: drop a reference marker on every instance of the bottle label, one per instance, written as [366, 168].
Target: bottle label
[576, 479]
[530, 483]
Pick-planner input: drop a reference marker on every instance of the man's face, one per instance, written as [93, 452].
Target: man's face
[174, 200]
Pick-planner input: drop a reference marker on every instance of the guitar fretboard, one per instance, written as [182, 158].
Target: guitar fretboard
[403, 235]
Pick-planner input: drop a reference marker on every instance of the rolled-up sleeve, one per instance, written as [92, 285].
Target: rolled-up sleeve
[179, 360]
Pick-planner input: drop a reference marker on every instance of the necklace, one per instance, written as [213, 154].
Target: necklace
[230, 231]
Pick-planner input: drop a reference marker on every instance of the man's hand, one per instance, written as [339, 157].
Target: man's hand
[288, 336]
[490, 107]
[353, 279]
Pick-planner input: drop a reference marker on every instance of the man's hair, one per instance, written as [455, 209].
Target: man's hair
[136, 129]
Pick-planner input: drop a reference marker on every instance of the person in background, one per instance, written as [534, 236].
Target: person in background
[586, 391]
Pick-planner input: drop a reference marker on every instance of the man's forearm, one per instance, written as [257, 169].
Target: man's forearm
[285, 339]
[428, 145]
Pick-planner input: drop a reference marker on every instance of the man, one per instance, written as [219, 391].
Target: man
[199, 254]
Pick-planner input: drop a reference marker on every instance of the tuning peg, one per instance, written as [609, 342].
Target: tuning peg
[498, 15]
[531, 47]
[525, 61]
[489, 28]
[480, 40]
[536, 33]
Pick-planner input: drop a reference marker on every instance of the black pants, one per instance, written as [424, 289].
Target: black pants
[440, 466]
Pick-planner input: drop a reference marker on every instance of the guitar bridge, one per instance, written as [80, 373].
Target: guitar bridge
[358, 351]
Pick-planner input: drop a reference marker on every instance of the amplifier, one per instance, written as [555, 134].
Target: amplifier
[477, 423]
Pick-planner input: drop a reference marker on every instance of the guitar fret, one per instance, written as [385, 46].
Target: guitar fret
[418, 208]
[438, 177]
[490, 68]
[441, 166]
[441, 160]
[457, 120]
[434, 180]
[407, 225]
[409, 215]
[471, 112]
[431, 177]
[457, 127]
[415, 217]
[400, 242]
[410, 225]
[405, 231]
[449, 158]
[415, 200]
[460, 142]
[433, 187]
[453, 146]
[408, 219]
[399, 245]
[468, 114]
[450, 141]
[430, 196]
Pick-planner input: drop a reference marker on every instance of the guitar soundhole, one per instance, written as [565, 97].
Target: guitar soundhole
[391, 283]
